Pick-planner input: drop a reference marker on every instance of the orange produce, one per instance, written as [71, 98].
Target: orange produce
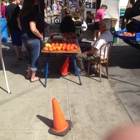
[60, 44]
[56, 44]
[51, 49]
[54, 48]
[75, 46]
[127, 34]
[59, 48]
[45, 48]
[67, 48]
[63, 48]
[71, 47]
[52, 44]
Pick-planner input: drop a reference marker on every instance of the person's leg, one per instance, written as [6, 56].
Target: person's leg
[95, 31]
[80, 58]
[94, 57]
[24, 41]
[98, 31]
[16, 48]
[98, 34]
[24, 51]
[95, 34]
[15, 36]
[34, 77]
[39, 63]
[29, 73]
[35, 52]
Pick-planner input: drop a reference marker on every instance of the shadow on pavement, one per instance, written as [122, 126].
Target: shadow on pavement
[125, 57]
[45, 120]
[126, 82]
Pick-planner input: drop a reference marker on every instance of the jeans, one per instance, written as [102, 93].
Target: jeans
[33, 47]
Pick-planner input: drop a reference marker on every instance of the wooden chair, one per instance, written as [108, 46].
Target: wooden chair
[103, 59]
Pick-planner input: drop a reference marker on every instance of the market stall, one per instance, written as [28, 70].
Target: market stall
[65, 43]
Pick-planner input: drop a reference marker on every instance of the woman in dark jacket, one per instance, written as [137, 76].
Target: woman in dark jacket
[32, 27]
[67, 25]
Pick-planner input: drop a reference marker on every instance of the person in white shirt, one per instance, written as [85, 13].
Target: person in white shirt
[94, 52]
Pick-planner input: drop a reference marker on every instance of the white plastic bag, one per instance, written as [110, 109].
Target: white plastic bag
[84, 25]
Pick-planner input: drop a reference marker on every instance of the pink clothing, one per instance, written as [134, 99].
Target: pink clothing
[3, 11]
[58, 6]
[99, 15]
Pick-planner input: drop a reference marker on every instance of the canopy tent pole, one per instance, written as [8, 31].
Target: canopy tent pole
[3, 66]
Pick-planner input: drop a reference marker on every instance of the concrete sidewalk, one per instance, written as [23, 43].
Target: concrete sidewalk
[26, 113]
[124, 71]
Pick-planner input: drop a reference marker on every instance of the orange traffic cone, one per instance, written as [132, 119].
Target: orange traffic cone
[65, 68]
[60, 125]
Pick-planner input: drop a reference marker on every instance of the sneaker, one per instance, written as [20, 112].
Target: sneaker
[18, 59]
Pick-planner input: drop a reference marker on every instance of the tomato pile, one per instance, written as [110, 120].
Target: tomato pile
[56, 46]
[127, 34]
[61, 42]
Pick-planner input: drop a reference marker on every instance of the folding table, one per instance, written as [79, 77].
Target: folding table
[71, 52]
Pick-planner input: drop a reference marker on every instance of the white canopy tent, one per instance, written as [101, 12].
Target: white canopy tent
[113, 10]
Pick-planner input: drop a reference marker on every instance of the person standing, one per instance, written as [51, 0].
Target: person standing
[3, 9]
[12, 11]
[81, 9]
[98, 17]
[54, 8]
[32, 27]
[67, 25]
[24, 51]
[58, 6]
